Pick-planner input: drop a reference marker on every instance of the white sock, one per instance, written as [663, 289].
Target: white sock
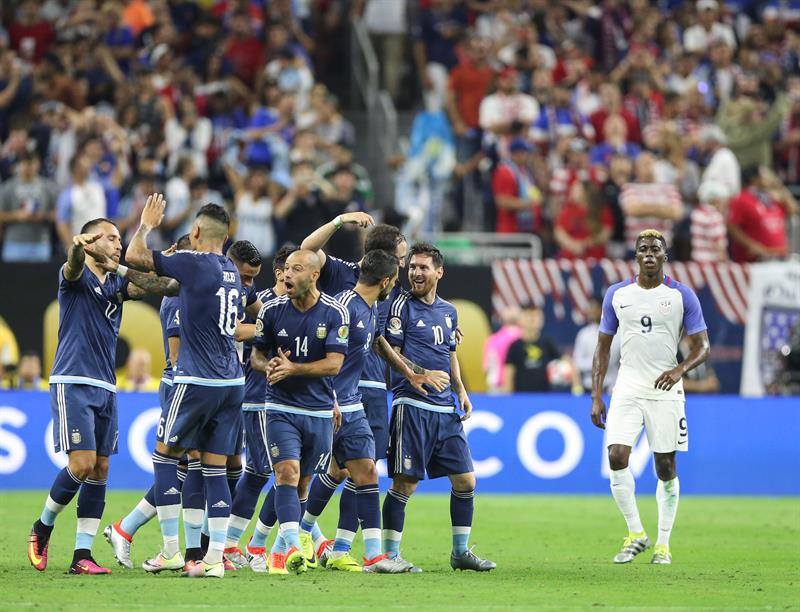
[667, 493]
[623, 488]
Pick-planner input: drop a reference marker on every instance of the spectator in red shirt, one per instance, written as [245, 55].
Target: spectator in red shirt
[244, 51]
[757, 219]
[611, 104]
[30, 35]
[584, 224]
[469, 83]
[516, 197]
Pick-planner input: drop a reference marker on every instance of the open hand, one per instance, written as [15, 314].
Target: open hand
[668, 379]
[153, 211]
[83, 240]
[437, 379]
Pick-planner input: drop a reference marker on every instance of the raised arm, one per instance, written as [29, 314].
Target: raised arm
[599, 369]
[141, 283]
[317, 240]
[153, 213]
[76, 256]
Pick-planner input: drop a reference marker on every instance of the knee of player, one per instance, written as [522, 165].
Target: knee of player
[618, 457]
[337, 473]
[234, 462]
[665, 467]
[406, 487]
[463, 482]
[367, 474]
[287, 472]
[82, 466]
[100, 471]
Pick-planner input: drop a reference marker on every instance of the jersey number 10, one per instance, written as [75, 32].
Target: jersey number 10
[228, 310]
[438, 334]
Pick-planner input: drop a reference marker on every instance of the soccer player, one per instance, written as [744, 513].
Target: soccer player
[426, 431]
[650, 311]
[300, 343]
[205, 413]
[82, 387]
[257, 470]
[120, 534]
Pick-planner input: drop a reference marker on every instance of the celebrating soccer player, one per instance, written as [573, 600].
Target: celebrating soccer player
[205, 412]
[426, 432]
[300, 343]
[82, 387]
[650, 311]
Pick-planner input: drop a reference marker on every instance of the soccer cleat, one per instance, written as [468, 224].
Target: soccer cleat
[295, 560]
[307, 546]
[345, 563]
[201, 569]
[470, 561]
[188, 566]
[382, 564]
[37, 550]
[160, 563]
[324, 552]
[120, 543]
[88, 567]
[257, 562]
[276, 564]
[632, 545]
[236, 558]
[228, 565]
[411, 570]
[661, 555]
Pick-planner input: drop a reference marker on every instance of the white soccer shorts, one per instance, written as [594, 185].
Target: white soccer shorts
[664, 422]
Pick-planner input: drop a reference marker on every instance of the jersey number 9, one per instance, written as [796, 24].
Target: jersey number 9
[228, 310]
[647, 324]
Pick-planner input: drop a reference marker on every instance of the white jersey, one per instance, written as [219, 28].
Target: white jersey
[650, 323]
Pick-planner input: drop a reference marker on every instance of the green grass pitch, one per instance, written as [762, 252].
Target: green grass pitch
[552, 552]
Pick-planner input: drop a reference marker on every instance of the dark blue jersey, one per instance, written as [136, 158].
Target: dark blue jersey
[363, 321]
[374, 374]
[305, 337]
[337, 275]
[426, 335]
[255, 383]
[210, 299]
[170, 328]
[89, 316]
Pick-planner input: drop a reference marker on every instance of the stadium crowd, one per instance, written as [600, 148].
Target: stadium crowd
[586, 122]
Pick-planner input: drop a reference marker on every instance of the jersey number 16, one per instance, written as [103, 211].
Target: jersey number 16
[228, 310]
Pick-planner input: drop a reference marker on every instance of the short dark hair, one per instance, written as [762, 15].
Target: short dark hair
[90, 225]
[183, 242]
[429, 249]
[651, 233]
[750, 174]
[530, 306]
[280, 257]
[377, 265]
[245, 251]
[383, 237]
[216, 212]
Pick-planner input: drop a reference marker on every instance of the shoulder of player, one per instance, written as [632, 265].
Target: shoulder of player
[682, 289]
[341, 262]
[622, 287]
[443, 304]
[400, 303]
[273, 303]
[265, 295]
[336, 306]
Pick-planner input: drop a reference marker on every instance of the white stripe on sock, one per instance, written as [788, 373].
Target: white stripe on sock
[88, 525]
[391, 534]
[461, 530]
[53, 506]
[347, 536]
[146, 508]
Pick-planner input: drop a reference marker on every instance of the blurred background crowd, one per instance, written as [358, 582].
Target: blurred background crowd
[577, 123]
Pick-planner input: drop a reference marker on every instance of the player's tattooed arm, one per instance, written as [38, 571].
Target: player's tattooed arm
[77, 255]
[416, 375]
[699, 349]
[152, 214]
[600, 360]
[317, 239]
[457, 385]
[142, 283]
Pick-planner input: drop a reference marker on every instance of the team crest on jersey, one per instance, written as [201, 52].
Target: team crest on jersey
[343, 332]
[76, 436]
[259, 327]
[406, 463]
[395, 324]
[274, 450]
[448, 321]
[322, 331]
[665, 306]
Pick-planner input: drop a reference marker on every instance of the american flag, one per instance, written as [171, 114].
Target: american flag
[777, 323]
[573, 283]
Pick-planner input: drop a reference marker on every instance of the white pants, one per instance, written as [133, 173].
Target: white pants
[664, 422]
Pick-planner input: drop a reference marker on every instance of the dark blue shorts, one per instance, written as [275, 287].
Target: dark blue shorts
[354, 439]
[206, 418]
[164, 396]
[255, 433]
[426, 441]
[84, 418]
[377, 408]
[300, 438]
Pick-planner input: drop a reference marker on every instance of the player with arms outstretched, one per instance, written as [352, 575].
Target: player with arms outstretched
[427, 435]
[650, 311]
[83, 386]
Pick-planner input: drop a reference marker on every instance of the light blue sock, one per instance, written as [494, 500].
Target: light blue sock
[279, 545]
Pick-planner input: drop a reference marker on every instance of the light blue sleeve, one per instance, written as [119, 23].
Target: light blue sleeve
[693, 321]
[608, 319]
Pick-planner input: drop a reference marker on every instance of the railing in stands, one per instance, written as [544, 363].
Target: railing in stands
[486, 247]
